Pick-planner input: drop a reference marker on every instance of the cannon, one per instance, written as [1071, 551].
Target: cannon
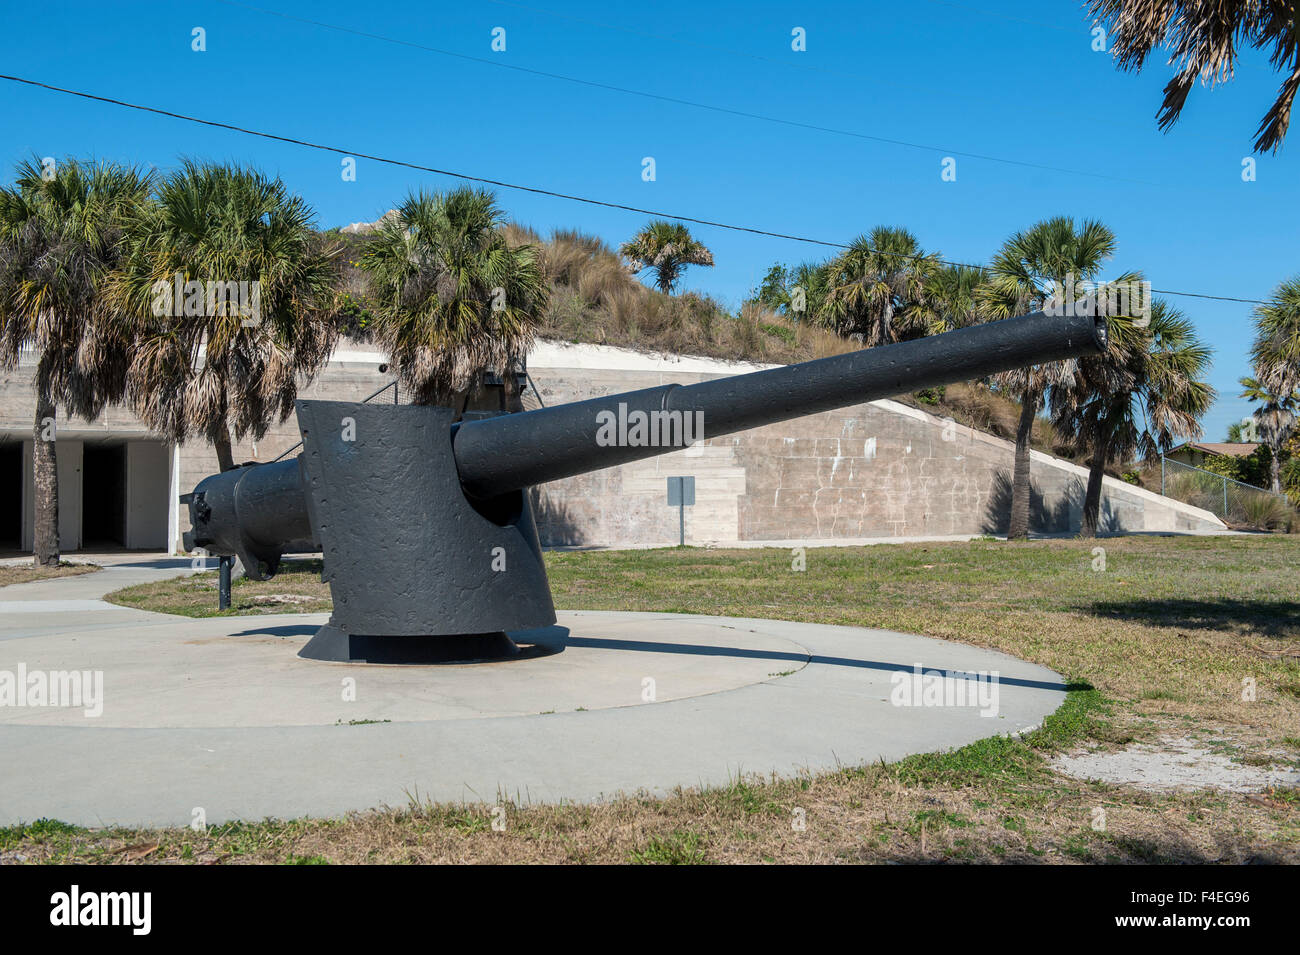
[424, 522]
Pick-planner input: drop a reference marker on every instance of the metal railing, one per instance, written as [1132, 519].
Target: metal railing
[523, 397]
[393, 385]
[1234, 502]
[365, 401]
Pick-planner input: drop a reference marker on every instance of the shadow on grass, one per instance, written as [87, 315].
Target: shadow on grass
[1279, 618]
[1100, 849]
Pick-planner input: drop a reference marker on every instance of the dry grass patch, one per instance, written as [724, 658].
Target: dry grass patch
[296, 589]
[596, 300]
[26, 573]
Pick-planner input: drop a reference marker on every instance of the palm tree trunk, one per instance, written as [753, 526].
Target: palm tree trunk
[1018, 527]
[880, 334]
[45, 482]
[666, 277]
[225, 454]
[1275, 469]
[1092, 499]
[514, 392]
[459, 399]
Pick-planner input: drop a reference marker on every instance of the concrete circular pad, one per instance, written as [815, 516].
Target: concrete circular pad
[220, 714]
[245, 672]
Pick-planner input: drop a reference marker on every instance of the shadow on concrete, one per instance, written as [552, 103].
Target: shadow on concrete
[289, 630]
[1042, 518]
[424, 651]
[557, 638]
[1271, 618]
[163, 563]
[643, 646]
[555, 524]
[1061, 519]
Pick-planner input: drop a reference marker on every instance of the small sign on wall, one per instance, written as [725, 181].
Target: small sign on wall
[681, 491]
[681, 494]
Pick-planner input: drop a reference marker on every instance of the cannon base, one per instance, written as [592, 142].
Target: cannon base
[406, 554]
[332, 645]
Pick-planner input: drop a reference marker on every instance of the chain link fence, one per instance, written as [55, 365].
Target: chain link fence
[1235, 503]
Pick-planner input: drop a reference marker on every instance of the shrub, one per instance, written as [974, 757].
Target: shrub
[1265, 512]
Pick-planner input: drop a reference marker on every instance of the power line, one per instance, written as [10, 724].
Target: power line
[725, 110]
[798, 63]
[338, 150]
[411, 165]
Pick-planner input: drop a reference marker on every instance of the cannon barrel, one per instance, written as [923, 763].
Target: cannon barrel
[259, 512]
[501, 454]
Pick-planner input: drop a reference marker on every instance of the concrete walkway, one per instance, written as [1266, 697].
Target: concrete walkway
[219, 714]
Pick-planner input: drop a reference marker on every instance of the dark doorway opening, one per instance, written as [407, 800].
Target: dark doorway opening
[11, 495]
[103, 495]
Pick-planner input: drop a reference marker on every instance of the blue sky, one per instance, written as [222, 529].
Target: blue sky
[1010, 79]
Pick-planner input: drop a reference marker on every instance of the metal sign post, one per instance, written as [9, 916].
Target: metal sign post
[681, 492]
[223, 581]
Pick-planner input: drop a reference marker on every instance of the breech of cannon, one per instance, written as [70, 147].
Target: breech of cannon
[429, 544]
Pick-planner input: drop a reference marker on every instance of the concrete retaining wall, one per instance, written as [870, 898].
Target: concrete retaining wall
[879, 469]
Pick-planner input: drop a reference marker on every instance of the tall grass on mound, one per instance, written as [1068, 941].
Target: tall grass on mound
[979, 407]
[1265, 512]
[596, 299]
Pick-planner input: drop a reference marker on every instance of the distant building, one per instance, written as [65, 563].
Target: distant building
[1195, 452]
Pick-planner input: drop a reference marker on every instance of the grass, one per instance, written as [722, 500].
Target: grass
[296, 589]
[1158, 642]
[1173, 618]
[975, 405]
[26, 573]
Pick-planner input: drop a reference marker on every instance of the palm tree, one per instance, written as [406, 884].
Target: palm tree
[1275, 353]
[954, 295]
[1144, 392]
[1203, 37]
[452, 296]
[811, 279]
[231, 299]
[877, 287]
[1275, 418]
[60, 232]
[798, 293]
[1029, 270]
[666, 248]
